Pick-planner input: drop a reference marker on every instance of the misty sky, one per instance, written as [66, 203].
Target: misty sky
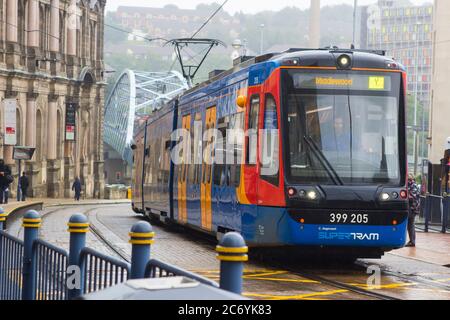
[247, 6]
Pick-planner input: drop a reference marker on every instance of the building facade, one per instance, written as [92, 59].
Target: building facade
[51, 54]
[440, 106]
[405, 32]
[171, 21]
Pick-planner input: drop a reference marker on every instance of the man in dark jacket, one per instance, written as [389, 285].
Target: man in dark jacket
[24, 184]
[5, 181]
[77, 188]
[414, 209]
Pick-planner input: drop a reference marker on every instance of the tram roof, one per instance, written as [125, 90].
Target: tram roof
[326, 57]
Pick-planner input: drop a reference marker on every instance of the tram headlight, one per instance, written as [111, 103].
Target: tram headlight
[344, 61]
[385, 196]
[312, 195]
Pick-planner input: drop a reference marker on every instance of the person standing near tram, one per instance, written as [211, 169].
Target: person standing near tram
[414, 209]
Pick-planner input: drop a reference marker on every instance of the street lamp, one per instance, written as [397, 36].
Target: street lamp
[262, 26]
[416, 151]
[240, 47]
[355, 6]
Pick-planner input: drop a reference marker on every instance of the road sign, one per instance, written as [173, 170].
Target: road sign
[23, 153]
[70, 131]
[10, 124]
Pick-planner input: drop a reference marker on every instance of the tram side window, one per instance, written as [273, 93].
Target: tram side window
[270, 167]
[198, 145]
[252, 141]
[235, 142]
[190, 163]
[221, 174]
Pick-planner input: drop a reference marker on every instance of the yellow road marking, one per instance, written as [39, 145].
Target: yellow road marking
[386, 286]
[281, 280]
[442, 280]
[430, 290]
[309, 296]
[274, 273]
[245, 271]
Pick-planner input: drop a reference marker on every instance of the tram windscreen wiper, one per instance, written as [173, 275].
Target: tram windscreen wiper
[323, 160]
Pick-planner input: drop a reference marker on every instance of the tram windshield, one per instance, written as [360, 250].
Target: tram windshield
[342, 129]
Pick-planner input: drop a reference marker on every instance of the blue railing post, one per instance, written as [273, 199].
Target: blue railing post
[232, 253]
[428, 206]
[445, 212]
[78, 227]
[141, 238]
[31, 222]
[3, 217]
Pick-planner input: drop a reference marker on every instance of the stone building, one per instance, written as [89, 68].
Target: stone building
[51, 53]
[439, 120]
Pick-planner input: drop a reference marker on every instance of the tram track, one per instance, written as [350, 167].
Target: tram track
[325, 281]
[405, 277]
[342, 285]
[94, 230]
[109, 244]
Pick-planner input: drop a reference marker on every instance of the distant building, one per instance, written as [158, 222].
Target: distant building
[439, 124]
[405, 32]
[51, 58]
[170, 21]
[137, 35]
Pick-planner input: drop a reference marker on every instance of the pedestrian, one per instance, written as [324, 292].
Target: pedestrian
[77, 188]
[414, 209]
[5, 181]
[24, 184]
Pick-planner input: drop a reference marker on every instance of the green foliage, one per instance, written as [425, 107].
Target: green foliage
[422, 118]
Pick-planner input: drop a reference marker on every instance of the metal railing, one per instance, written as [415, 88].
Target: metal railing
[33, 269]
[50, 266]
[435, 213]
[11, 267]
[100, 271]
[158, 269]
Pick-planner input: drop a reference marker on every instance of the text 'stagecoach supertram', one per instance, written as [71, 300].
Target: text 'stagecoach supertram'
[301, 149]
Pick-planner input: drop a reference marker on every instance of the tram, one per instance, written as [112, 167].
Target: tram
[314, 143]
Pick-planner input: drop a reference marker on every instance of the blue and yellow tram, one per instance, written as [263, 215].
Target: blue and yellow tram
[318, 160]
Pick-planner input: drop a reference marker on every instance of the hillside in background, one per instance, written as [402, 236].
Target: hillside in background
[282, 30]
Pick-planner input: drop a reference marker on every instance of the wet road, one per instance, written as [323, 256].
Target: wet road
[271, 279]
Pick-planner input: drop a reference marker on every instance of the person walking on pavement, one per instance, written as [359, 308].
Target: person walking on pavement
[5, 181]
[414, 209]
[24, 184]
[77, 188]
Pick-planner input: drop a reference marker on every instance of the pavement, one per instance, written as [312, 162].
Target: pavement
[430, 247]
[433, 247]
[14, 205]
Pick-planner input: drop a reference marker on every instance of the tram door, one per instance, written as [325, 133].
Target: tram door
[182, 174]
[206, 183]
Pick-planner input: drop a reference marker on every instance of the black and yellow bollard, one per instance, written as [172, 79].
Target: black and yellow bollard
[232, 253]
[78, 228]
[141, 239]
[3, 217]
[31, 223]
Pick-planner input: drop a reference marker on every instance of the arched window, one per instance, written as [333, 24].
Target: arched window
[93, 37]
[21, 27]
[59, 135]
[42, 28]
[1, 24]
[79, 27]
[62, 34]
[38, 136]
[19, 127]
